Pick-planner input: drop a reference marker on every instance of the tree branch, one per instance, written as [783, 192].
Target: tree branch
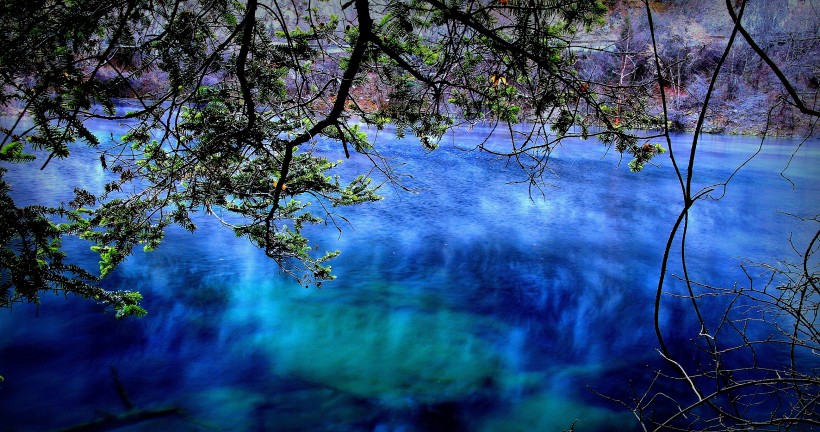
[354, 63]
[248, 24]
[763, 56]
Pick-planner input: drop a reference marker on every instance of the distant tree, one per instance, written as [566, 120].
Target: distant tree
[232, 96]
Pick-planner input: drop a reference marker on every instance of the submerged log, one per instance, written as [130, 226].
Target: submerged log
[113, 421]
[132, 416]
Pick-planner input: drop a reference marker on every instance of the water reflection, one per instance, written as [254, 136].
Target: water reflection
[468, 306]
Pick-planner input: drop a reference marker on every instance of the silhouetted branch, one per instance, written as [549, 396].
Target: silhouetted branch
[769, 62]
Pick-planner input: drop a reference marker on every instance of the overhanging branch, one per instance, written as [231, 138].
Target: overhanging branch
[769, 62]
[353, 66]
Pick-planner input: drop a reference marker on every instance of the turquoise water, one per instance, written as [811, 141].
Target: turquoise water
[472, 304]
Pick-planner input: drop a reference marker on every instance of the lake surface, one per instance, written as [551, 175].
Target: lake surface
[469, 305]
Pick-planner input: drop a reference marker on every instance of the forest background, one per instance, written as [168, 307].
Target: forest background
[689, 46]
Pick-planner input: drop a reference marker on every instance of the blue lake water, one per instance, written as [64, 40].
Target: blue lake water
[469, 305]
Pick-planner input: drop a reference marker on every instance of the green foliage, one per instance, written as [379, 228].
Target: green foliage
[130, 307]
[13, 152]
[564, 122]
[32, 260]
[232, 99]
[644, 154]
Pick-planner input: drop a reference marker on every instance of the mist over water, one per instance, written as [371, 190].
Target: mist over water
[470, 305]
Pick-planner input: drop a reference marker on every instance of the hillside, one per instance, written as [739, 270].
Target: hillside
[691, 37]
